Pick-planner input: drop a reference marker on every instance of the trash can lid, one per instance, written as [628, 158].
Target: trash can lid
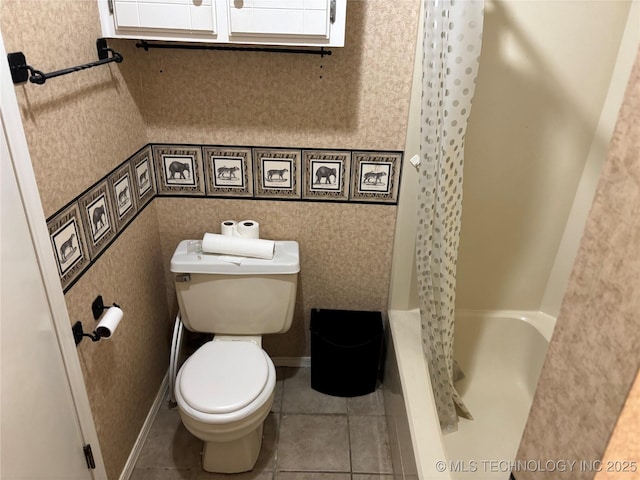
[346, 327]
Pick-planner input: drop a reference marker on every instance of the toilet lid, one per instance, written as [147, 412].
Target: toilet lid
[224, 376]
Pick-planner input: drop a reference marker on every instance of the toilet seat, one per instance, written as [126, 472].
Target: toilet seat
[264, 398]
[223, 377]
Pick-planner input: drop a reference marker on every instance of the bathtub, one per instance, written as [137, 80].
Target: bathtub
[501, 354]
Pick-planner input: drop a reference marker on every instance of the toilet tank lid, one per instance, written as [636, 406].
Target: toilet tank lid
[186, 259]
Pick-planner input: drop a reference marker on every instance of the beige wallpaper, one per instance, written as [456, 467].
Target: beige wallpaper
[123, 373]
[357, 98]
[81, 126]
[593, 356]
[345, 255]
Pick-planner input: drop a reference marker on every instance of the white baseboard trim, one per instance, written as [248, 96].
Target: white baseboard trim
[295, 362]
[144, 431]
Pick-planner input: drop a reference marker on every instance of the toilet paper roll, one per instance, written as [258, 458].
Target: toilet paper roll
[109, 322]
[242, 247]
[248, 229]
[228, 227]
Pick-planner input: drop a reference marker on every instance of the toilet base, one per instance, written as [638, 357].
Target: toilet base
[235, 456]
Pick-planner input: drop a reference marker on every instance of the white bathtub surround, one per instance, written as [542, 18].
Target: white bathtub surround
[501, 354]
[414, 430]
[452, 43]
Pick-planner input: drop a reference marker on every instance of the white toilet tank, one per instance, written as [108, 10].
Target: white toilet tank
[254, 298]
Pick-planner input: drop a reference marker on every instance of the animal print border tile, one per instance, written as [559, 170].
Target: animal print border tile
[97, 217]
[375, 176]
[276, 173]
[68, 242]
[143, 171]
[228, 171]
[90, 222]
[123, 193]
[179, 169]
[326, 175]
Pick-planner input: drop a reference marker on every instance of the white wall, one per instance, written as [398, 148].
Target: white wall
[566, 254]
[545, 70]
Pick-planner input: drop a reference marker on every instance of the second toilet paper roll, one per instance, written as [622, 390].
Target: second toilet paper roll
[248, 229]
[228, 227]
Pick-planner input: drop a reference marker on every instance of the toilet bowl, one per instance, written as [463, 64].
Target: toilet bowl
[224, 392]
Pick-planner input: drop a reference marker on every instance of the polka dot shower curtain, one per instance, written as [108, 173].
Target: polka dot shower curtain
[452, 41]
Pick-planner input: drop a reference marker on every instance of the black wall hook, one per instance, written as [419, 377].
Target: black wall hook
[98, 306]
[21, 72]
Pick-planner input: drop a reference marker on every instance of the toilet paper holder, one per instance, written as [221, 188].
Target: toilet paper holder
[97, 307]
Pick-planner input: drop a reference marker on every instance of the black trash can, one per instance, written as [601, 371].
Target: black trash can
[346, 351]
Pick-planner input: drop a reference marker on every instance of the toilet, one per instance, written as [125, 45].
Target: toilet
[225, 390]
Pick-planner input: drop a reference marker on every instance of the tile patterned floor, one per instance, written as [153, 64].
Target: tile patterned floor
[307, 436]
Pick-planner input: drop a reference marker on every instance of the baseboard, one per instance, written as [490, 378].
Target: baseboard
[144, 431]
[295, 362]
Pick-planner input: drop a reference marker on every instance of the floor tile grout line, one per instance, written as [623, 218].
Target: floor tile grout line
[350, 449]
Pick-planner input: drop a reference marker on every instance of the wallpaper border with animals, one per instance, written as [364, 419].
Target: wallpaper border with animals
[86, 226]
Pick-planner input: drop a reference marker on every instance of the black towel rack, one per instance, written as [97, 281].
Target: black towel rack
[21, 72]
[231, 48]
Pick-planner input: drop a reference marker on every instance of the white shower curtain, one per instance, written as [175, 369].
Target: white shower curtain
[452, 41]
